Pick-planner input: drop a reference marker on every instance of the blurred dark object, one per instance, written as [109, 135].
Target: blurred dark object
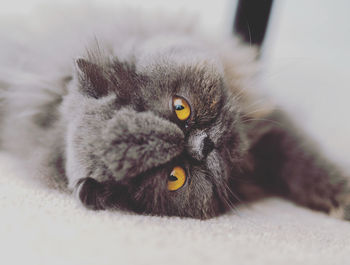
[251, 20]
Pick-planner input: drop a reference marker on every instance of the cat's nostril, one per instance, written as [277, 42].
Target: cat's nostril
[199, 145]
[208, 146]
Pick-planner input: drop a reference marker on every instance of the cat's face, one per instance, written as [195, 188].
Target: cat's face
[167, 140]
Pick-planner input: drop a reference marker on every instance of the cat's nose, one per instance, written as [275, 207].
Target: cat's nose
[199, 145]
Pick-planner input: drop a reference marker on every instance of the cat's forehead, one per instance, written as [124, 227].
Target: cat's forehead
[200, 84]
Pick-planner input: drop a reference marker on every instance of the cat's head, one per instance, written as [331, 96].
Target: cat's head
[166, 138]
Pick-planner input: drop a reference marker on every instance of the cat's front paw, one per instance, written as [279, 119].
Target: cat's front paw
[107, 194]
[90, 193]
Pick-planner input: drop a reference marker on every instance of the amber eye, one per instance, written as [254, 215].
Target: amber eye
[182, 108]
[176, 179]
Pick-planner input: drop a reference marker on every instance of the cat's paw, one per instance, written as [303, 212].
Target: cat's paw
[90, 193]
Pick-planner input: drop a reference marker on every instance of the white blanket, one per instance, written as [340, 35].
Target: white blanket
[39, 225]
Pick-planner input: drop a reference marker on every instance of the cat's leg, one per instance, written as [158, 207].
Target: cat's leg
[289, 164]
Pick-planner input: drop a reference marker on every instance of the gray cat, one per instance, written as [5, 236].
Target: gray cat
[156, 119]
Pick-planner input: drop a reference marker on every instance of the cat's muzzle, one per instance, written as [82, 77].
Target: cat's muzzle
[199, 145]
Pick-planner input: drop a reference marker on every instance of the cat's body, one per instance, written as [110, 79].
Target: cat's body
[113, 125]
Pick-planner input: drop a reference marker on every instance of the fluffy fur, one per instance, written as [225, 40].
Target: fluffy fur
[102, 120]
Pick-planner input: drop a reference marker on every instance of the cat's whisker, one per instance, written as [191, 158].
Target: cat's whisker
[239, 95]
[232, 193]
[231, 206]
[263, 119]
[248, 115]
[260, 102]
[256, 102]
[226, 198]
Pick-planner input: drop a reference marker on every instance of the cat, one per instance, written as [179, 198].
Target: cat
[154, 118]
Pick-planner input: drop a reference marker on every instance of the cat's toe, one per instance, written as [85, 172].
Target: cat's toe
[88, 191]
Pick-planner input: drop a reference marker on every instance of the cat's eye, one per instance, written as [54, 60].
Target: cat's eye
[182, 108]
[176, 179]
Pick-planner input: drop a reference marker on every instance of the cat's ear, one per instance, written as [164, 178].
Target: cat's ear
[93, 82]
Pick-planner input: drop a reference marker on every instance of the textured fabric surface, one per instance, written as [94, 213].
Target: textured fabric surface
[39, 225]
